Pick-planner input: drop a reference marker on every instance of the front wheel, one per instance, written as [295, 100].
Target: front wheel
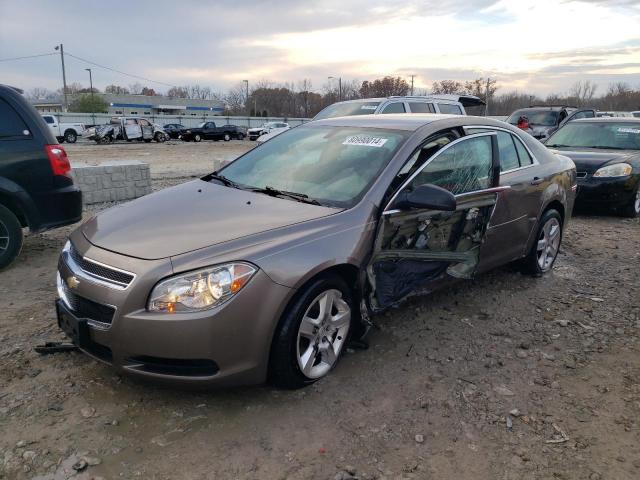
[160, 137]
[10, 237]
[197, 138]
[226, 137]
[632, 209]
[544, 250]
[312, 334]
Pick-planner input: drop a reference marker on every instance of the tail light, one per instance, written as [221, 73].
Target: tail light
[58, 159]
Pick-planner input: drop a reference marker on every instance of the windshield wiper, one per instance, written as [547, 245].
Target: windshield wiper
[274, 192]
[225, 181]
[557, 145]
[608, 148]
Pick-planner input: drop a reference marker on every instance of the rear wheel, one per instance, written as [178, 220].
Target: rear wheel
[226, 137]
[10, 237]
[240, 136]
[544, 250]
[632, 209]
[70, 136]
[312, 334]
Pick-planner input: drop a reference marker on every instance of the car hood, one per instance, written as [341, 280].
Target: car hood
[590, 160]
[191, 216]
[256, 129]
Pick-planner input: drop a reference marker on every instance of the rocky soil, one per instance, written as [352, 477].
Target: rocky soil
[505, 377]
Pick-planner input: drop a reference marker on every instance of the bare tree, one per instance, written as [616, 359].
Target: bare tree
[116, 89]
[445, 87]
[136, 88]
[583, 92]
[40, 93]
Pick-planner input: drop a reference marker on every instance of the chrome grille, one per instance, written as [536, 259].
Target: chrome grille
[110, 275]
[83, 307]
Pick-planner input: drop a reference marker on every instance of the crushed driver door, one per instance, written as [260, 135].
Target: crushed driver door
[416, 249]
[147, 129]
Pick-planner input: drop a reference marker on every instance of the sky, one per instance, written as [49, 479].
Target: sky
[538, 46]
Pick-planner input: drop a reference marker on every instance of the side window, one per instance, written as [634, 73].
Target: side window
[523, 154]
[48, 119]
[143, 122]
[421, 107]
[397, 107]
[130, 121]
[450, 109]
[583, 114]
[508, 153]
[11, 124]
[464, 167]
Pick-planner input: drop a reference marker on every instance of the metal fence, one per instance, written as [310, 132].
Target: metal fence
[188, 121]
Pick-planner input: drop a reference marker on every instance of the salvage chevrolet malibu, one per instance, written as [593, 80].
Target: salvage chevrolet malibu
[265, 269]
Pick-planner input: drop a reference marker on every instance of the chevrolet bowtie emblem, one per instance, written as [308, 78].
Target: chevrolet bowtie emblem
[73, 282]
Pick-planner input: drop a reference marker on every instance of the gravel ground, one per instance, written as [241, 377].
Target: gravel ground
[504, 377]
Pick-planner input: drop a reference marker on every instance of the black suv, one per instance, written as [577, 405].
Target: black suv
[543, 120]
[36, 187]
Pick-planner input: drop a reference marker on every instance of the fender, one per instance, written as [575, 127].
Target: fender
[23, 201]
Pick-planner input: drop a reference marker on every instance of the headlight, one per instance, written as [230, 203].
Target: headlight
[200, 289]
[616, 170]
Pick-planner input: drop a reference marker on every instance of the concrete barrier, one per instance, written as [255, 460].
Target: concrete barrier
[112, 181]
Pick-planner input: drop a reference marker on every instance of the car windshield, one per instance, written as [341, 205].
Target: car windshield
[333, 165]
[201, 125]
[613, 135]
[347, 109]
[543, 118]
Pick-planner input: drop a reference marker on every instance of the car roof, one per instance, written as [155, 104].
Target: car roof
[401, 121]
[465, 100]
[608, 120]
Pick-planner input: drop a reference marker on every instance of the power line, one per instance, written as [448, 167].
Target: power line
[25, 57]
[118, 71]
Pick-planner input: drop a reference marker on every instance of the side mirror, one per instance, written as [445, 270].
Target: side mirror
[426, 196]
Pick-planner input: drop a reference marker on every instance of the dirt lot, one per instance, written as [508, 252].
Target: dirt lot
[505, 377]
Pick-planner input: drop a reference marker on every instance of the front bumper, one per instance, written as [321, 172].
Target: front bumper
[610, 192]
[227, 345]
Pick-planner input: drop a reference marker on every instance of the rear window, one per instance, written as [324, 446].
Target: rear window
[449, 109]
[347, 109]
[544, 118]
[48, 119]
[11, 124]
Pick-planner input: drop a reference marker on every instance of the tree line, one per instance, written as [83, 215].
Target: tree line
[266, 98]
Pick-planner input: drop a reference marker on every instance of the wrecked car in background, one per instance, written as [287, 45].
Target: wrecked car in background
[544, 120]
[127, 128]
[265, 268]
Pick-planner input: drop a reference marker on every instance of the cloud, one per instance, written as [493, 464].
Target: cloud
[539, 46]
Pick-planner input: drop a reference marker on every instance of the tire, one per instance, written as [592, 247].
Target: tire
[60, 139]
[160, 137]
[197, 138]
[226, 137]
[70, 136]
[542, 256]
[10, 237]
[320, 341]
[240, 136]
[632, 209]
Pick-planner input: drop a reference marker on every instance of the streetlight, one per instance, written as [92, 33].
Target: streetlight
[339, 86]
[90, 81]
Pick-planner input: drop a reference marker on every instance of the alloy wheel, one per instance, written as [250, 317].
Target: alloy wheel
[548, 244]
[323, 333]
[4, 237]
[636, 205]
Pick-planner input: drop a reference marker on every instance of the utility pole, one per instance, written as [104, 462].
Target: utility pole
[64, 77]
[246, 102]
[90, 81]
[339, 86]
[412, 84]
[486, 107]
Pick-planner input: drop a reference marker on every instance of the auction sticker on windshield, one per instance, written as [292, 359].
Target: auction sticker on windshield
[628, 130]
[365, 141]
[368, 107]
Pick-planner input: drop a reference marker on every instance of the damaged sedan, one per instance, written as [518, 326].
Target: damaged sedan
[265, 269]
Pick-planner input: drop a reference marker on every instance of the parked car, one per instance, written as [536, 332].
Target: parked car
[267, 127]
[63, 131]
[606, 152]
[449, 104]
[544, 120]
[267, 267]
[209, 131]
[273, 133]
[36, 186]
[127, 128]
[636, 113]
[173, 130]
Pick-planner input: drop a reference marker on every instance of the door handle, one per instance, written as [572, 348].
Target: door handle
[537, 181]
